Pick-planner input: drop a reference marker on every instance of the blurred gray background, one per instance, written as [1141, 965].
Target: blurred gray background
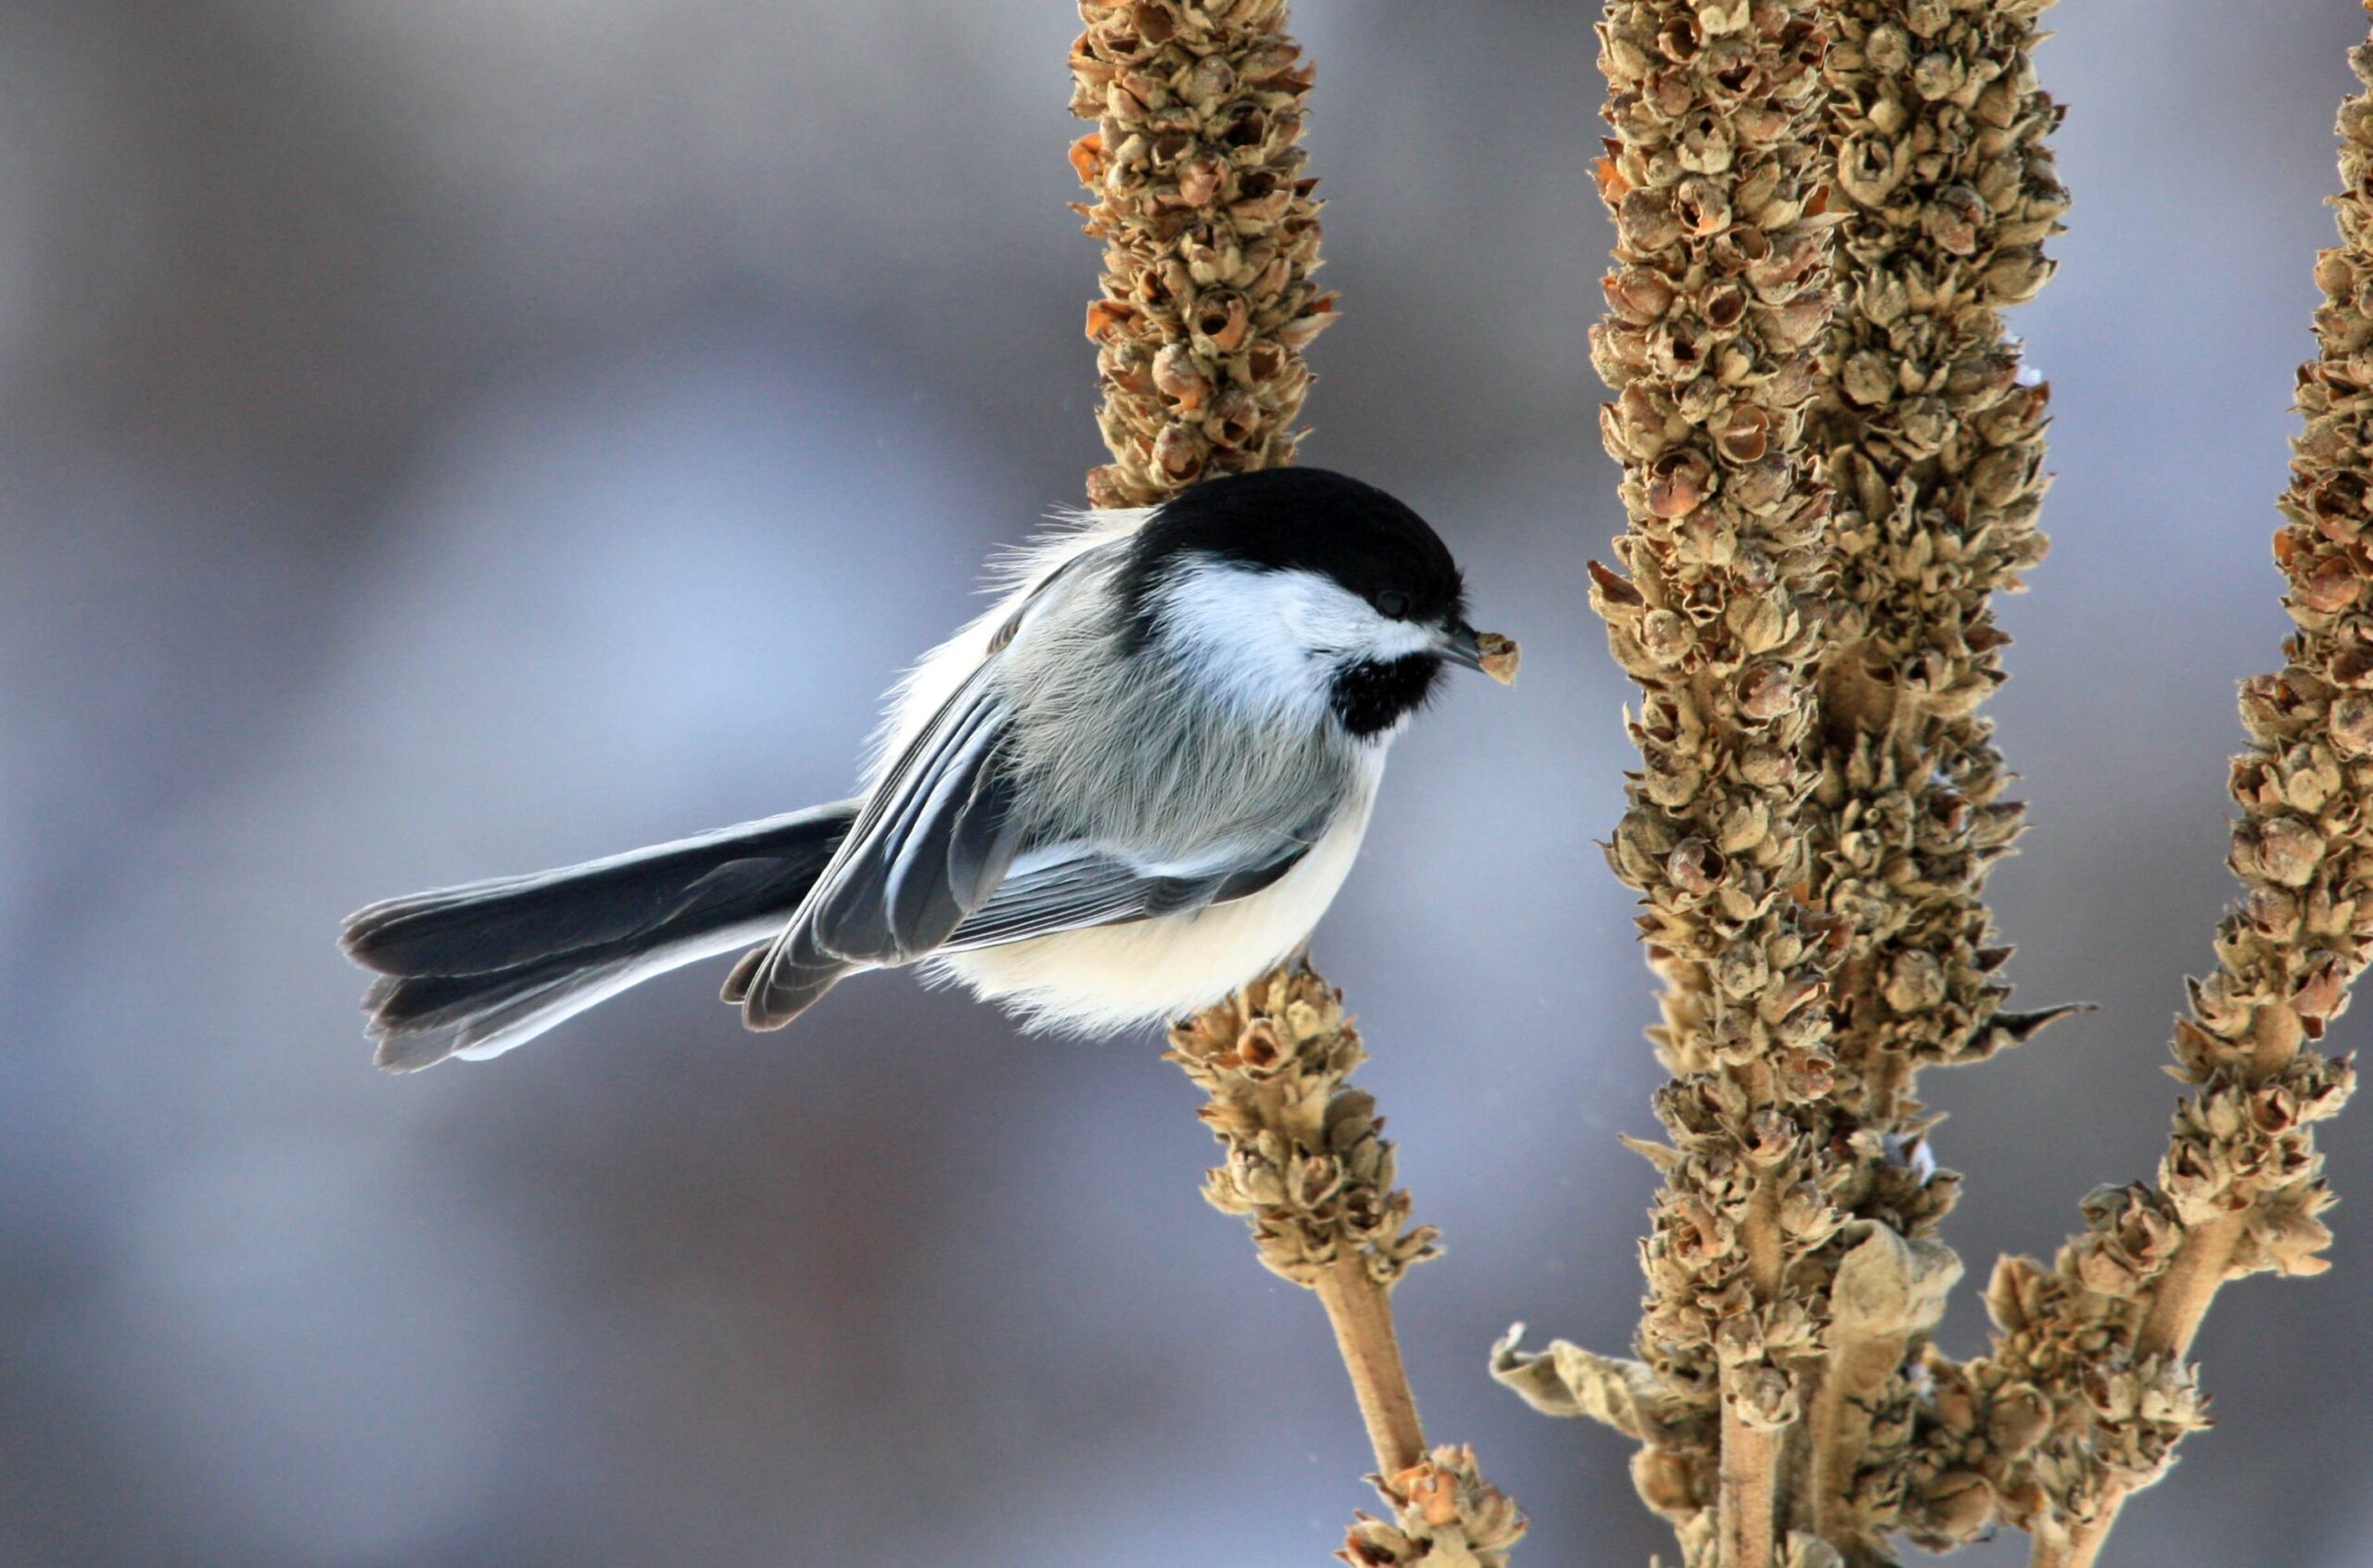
[443, 437]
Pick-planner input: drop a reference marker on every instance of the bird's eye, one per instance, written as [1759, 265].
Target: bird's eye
[1392, 603]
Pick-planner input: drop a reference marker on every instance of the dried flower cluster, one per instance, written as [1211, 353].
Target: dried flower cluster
[2063, 1417]
[1307, 1163]
[1445, 1515]
[1309, 1168]
[1935, 449]
[1934, 443]
[1805, 1284]
[2102, 1335]
[1209, 237]
[1715, 316]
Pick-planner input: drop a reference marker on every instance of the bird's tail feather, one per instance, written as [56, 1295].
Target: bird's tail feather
[472, 971]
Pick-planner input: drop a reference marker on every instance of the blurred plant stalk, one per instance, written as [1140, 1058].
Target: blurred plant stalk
[1832, 460]
[1210, 236]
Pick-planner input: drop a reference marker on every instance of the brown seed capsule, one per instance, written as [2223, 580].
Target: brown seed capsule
[1723, 306]
[1745, 434]
[1677, 483]
[1178, 453]
[1181, 379]
[1957, 1507]
[1696, 866]
[2287, 850]
[1646, 223]
[2352, 723]
[1766, 692]
[2333, 584]
[1915, 982]
[1742, 971]
[1235, 420]
[1702, 206]
[1764, 768]
[1639, 295]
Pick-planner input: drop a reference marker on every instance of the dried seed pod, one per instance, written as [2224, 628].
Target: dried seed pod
[1499, 657]
[1445, 1515]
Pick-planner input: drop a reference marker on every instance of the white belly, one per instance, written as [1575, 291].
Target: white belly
[1154, 970]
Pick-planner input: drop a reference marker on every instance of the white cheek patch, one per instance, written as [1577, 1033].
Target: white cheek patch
[1268, 640]
[1398, 639]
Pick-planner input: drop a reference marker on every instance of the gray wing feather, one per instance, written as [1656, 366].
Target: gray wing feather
[1097, 890]
[931, 842]
[937, 835]
[937, 842]
[1090, 892]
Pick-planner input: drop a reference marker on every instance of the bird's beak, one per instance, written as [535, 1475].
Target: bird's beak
[1495, 655]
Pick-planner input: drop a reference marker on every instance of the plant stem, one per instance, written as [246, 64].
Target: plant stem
[2181, 1297]
[2179, 1301]
[1195, 177]
[1308, 1166]
[1747, 1495]
[1359, 1306]
[1749, 1471]
[1716, 309]
[1933, 439]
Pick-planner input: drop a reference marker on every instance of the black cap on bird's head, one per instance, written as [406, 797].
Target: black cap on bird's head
[1322, 525]
[1313, 520]
[1310, 519]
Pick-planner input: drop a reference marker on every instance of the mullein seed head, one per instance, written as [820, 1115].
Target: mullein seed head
[2241, 1172]
[1211, 234]
[1306, 1162]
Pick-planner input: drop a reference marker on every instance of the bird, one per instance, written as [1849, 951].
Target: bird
[1132, 785]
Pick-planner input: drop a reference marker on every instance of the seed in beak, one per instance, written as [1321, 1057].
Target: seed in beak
[1497, 656]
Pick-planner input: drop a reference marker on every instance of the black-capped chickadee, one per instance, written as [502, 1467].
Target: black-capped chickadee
[1132, 786]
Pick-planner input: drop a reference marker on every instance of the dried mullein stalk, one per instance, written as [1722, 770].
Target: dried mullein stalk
[1933, 442]
[1310, 1169]
[1715, 314]
[2089, 1355]
[1307, 1163]
[1308, 1166]
[1210, 233]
